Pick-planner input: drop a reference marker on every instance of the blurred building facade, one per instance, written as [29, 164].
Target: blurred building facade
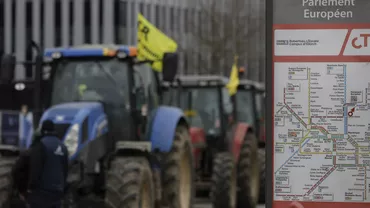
[62, 23]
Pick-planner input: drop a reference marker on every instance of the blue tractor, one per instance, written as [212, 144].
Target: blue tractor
[124, 146]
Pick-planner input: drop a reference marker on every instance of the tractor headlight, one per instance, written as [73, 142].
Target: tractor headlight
[71, 140]
[56, 55]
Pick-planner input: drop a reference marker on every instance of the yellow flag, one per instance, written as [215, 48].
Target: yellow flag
[153, 43]
[233, 84]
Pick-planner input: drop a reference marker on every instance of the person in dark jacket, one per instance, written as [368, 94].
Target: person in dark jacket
[20, 171]
[48, 169]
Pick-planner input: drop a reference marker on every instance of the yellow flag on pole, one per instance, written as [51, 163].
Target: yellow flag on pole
[153, 43]
[233, 84]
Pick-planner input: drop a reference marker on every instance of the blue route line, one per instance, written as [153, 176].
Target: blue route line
[345, 116]
[292, 156]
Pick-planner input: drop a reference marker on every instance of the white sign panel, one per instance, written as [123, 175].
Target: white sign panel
[321, 103]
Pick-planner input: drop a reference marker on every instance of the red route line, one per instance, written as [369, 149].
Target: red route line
[345, 42]
[284, 96]
[321, 180]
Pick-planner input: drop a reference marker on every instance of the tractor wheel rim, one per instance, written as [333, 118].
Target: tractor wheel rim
[254, 176]
[145, 195]
[233, 189]
[185, 180]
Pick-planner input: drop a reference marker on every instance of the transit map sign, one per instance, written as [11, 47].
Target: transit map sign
[320, 97]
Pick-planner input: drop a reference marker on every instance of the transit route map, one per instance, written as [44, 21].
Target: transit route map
[322, 131]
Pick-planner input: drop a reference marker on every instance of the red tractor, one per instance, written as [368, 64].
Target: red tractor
[249, 103]
[225, 150]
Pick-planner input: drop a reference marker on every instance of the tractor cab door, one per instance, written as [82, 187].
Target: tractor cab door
[245, 107]
[260, 109]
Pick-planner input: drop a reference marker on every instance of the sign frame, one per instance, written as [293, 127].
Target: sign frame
[270, 91]
[269, 4]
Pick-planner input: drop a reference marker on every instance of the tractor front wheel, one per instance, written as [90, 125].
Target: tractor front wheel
[178, 175]
[130, 184]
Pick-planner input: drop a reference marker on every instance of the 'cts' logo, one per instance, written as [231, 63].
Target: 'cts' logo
[362, 41]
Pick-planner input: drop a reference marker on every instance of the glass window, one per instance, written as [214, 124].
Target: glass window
[245, 109]
[172, 19]
[150, 84]
[226, 101]
[204, 102]
[157, 16]
[260, 105]
[163, 19]
[87, 21]
[71, 22]
[149, 11]
[186, 20]
[185, 62]
[13, 27]
[90, 81]
[141, 8]
[178, 22]
[123, 13]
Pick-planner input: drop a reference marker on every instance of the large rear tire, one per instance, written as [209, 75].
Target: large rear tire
[224, 181]
[130, 184]
[248, 173]
[262, 157]
[178, 175]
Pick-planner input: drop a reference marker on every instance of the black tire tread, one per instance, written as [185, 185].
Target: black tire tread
[171, 165]
[223, 166]
[124, 180]
[248, 149]
[6, 182]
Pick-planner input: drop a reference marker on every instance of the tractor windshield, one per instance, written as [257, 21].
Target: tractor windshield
[245, 107]
[90, 80]
[202, 108]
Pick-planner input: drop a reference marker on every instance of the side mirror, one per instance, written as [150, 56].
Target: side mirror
[170, 66]
[7, 68]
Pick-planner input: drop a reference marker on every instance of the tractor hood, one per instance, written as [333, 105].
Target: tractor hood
[74, 112]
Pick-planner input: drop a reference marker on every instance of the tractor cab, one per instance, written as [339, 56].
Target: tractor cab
[101, 87]
[97, 80]
[248, 104]
[206, 104]
[225, 149]
[105, 104]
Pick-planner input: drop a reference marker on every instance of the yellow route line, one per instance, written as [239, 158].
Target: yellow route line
[297, 143]
[315, 153]
[305, 137]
